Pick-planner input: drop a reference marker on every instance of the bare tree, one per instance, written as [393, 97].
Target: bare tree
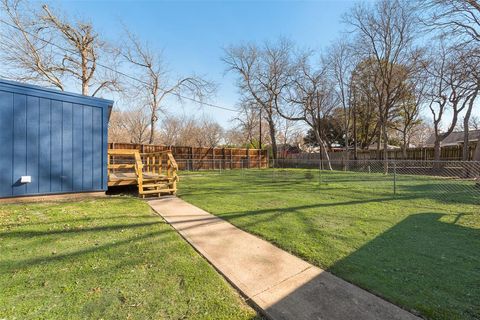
[311, 99]
[156, 82]
[85, 48]
[263, 75]
[129, 126]
[364, 105]
[447, 93]
[456, 18]
[117, 130]
[459, 22]
[289, 134]
[248, 120]
[408, 118]
[209, 133]
[250, 126]
[420, 133]
[42, 47]
[407, 113]
[341, 62]
[471, 63]
[170, 130]
[25, 57]
[138, 125]
[385, 33]
[190, 131]
[234, 138]
[474, 123]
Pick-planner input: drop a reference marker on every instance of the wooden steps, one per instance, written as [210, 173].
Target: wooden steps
[155, 185]
[148, 171]
[145, 192]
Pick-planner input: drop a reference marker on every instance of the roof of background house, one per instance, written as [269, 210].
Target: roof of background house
[373, 146]
[455, 138]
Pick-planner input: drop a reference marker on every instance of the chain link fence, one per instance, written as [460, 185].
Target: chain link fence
[453, 181]
[448, 181]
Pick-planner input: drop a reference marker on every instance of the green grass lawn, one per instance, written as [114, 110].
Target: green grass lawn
[419, 249]
[105, 259]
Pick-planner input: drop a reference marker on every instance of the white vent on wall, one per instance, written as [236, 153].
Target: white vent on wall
[26, 179]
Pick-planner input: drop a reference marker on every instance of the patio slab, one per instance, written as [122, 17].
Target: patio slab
[278, 283]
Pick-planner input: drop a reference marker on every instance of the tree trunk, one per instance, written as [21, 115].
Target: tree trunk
[152, 131]
[466, 129]
[84, 60]
[273, 139]
[466, 148]
[323, 148]
[379, 141]
[436, 149]
[85, 89]
[327, 157]
[405, 145]
[346, 156]
[355, 149]
[385, 143]
[385, 149]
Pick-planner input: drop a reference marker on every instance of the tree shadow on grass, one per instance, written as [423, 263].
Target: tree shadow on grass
[11, 265]
[269, 214]
[444, 192]
[72, 221]
[75, 230]
[422, 263]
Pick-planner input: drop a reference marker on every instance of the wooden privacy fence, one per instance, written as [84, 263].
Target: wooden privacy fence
[450, 153]
[200, 158]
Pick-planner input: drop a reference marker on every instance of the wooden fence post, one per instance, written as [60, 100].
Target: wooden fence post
[259, 159]
[191, 158]
[223, 157]
[268, 158]
[213, 158]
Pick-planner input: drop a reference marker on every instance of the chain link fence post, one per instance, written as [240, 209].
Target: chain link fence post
[394, 178]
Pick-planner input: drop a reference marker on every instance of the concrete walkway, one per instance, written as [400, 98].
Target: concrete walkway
[280, 284]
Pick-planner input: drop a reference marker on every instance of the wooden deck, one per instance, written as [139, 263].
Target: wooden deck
[130, 178]
[153, 173]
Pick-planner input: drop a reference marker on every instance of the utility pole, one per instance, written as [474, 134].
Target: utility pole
[260, 137]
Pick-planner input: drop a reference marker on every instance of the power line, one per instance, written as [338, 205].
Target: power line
[114, 70]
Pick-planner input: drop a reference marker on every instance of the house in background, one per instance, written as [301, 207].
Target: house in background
[285, 150]
[373, 146]
[454, 138]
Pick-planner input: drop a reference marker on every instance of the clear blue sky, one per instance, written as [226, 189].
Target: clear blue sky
[193, 33]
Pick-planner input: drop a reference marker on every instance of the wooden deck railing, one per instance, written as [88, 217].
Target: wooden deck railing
[129, 166]
[122, 154]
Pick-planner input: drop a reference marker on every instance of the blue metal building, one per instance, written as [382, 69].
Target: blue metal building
[51, 141]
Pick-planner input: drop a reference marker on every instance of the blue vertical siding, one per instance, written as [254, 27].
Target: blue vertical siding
[105, 147]
[33, 143]
[87, 148]
[56, 147]
[45, 138]
[77, 151]
[6, 143]
[57, 138]
[67, 147]
[20, 143]
[97, 147]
